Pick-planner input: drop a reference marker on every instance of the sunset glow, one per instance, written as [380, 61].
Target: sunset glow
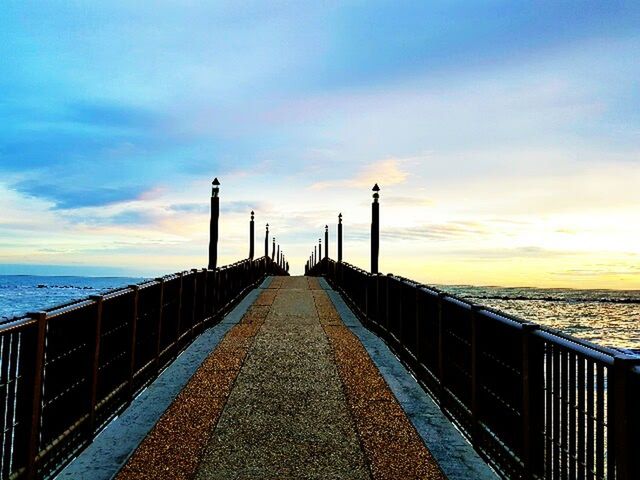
[507, 147]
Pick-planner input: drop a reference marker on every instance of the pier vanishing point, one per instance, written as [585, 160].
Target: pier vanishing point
[244, 372]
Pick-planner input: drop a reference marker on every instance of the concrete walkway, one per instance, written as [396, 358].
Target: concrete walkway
[291, 392]
[286, 416]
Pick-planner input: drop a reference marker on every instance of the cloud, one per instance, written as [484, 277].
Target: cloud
[200, 208]
[110, 114]
[73, 196]
[524, 252]
[617, 270]
[387, 172]
[435, 231]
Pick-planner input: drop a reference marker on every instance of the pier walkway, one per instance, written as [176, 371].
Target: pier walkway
[292, 387]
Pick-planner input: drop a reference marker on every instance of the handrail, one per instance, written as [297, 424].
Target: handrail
[66, 371]
[535, 402]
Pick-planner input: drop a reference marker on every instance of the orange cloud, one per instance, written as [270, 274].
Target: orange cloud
[388, 171]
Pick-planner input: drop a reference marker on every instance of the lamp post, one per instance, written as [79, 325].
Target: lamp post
[251, 236]
[375, 229]
[326, 241]
[213, 224]
[339, 238]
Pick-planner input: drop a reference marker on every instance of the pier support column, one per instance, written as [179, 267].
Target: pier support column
[213, 225]
[375, 229]
[339, 238]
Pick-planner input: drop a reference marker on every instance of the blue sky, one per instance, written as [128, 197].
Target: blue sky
[511, 128]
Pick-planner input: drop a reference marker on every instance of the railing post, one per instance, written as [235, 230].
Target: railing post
[475, 381]
[194, 307]
[626, 421]
[206, 313]
[213, 225]
[132, 341]
[179, 319]
[95, 363]
[326, 241]
[340, 238]
[36, 405]
[266, 241]
[278, 256]
[375, 229]
[159, 326]
[387, 320]
[441, 375]
[251, 237]
[532, 402]
[273, 250]
[418, 331]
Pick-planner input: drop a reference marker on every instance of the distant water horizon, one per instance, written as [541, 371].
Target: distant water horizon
[604, 316]
[20, 294]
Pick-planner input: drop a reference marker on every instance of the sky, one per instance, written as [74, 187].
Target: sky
[505, 136]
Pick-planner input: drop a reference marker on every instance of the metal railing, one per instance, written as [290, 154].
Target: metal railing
[65, 373]
[534, 402]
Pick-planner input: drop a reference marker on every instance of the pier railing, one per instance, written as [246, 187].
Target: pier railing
[68, 371]
[534, 402]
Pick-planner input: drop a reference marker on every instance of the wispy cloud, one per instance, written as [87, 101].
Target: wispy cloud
[390, 171]
[78, 196]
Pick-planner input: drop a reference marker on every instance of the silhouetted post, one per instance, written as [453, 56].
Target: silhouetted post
[278, 255]
[314, 255]
[339, 238]
[266, 242]
[251, 237]
[273, 250]
[287, 265]
[213, 225]
[375, 229]
[326, 241]
[319, 250]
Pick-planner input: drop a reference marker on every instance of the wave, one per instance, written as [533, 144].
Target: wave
[556, 299]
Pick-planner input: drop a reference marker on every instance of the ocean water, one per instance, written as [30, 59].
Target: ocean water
[20, 294]
[605, 317]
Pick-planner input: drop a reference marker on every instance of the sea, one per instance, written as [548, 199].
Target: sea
[20, 294]
[606, 317]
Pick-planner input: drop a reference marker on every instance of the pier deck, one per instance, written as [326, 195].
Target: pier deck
[290, 391]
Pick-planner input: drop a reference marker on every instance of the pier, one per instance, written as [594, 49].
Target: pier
[243, 371]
